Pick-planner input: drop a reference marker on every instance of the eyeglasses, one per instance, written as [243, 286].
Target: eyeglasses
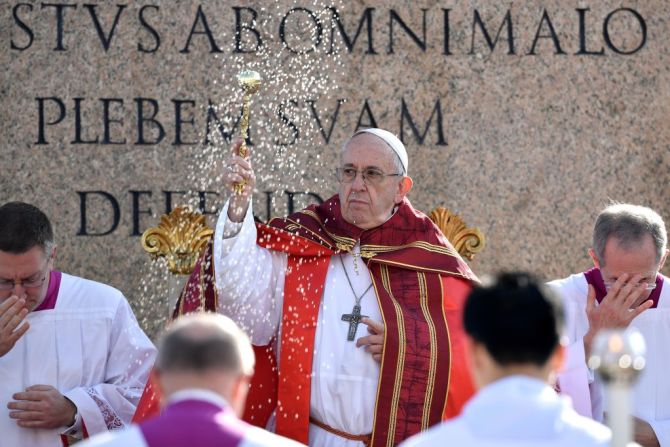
[648, 284]
[371, 176]
[29, 283]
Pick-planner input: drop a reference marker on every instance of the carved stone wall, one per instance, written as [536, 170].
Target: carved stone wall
[524, 117]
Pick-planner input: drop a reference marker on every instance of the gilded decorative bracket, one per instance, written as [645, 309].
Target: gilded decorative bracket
[180, 237]
[466, 241]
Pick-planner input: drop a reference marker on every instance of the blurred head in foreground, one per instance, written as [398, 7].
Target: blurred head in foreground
[514, 325]
[206, 351]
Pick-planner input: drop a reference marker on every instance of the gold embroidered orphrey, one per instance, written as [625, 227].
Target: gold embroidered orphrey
[180, 238]
[467, 241]
[182, 235]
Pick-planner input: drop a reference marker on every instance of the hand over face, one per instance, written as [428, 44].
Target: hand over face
[42, 406]
[620, 306]
[374, 343]
[12, 322]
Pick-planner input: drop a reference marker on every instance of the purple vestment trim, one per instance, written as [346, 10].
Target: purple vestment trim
[594, 278]
[194, 422]
[49, 302]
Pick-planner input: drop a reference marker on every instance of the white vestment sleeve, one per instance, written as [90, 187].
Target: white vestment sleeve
[662, 430]
[249, 279]
[111, 404]
[130, 437]
[75, 429]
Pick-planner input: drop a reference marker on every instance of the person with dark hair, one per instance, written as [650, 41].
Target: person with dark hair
[624, 289]
[203, 368]
[73, 360]
[514, 327]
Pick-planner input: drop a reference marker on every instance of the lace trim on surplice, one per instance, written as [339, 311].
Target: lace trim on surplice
[112, 421]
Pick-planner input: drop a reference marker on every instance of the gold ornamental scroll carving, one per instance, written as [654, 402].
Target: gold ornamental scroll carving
[467, 241]
[180, 238]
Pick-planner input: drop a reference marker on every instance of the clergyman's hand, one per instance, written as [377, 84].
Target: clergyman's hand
[619, 307]
[42, 406]
[238, 170]
[13, 312]
[644, 433]
[374, 343]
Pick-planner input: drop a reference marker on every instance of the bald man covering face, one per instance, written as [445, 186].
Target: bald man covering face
[302, 284]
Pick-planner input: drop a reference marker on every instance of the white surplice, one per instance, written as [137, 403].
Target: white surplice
[516, 411]
[250, 284]
[91, 349]
[651, 393]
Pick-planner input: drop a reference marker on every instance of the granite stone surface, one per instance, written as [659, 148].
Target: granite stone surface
[527, 118]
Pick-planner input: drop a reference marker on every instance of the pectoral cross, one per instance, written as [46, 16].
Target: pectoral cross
[354, 318]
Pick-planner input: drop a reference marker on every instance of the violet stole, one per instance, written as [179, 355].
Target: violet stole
[196, 423]
[49, 302]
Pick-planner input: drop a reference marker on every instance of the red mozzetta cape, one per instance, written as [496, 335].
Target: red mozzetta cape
[421, 284]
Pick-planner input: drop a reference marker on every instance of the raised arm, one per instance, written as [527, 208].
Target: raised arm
[249, 278]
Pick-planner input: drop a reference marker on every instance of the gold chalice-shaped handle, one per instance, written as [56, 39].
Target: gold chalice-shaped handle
[250, 81]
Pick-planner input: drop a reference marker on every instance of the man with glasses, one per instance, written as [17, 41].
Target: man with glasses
[73, 360]
[359, 297]
[623, 289]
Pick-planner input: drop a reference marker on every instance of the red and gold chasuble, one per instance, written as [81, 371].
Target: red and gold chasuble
[421, 284]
